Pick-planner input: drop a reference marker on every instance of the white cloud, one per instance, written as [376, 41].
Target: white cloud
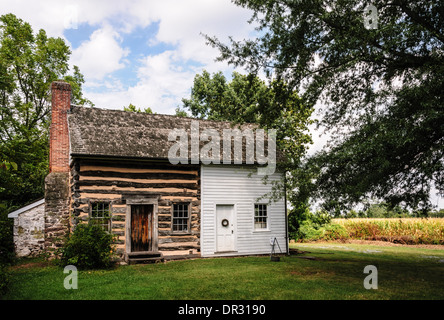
[184, 22]
[101, 54]
[159, 79]
[36, 15]
[163, 81]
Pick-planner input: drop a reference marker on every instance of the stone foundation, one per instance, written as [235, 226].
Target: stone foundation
[56, 209]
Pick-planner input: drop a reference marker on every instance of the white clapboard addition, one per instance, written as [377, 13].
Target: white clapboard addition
[229, 202]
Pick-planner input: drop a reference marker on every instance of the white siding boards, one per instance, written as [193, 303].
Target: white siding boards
[229, 193]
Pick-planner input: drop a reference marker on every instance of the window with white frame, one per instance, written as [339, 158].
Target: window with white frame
[260, 217]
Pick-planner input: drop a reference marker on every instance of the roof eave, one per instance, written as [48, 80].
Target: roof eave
[14, 214]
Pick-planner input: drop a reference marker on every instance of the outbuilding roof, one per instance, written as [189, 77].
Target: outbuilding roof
[14, 214]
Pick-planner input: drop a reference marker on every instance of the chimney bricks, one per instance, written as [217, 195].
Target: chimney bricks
[59, 138]
[57, 196]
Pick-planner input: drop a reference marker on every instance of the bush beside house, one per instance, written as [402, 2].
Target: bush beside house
[6, 248]
[88, 247]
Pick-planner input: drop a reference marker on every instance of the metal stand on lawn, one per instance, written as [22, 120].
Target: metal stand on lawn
[274, 257]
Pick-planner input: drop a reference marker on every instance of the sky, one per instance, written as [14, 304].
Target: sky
[143, 52]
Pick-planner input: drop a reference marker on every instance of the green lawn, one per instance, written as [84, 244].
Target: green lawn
[328, 271]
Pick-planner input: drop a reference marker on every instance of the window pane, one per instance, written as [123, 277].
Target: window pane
[100, 215]
[260, 216]
[180, 217]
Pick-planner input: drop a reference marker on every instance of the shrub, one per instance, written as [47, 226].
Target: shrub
[88, 247]
[335, 231]
[309, 231]
[6, 238]
[7, 254]
[327, 231]
[303, 224]
[4, 280]
[296, 217]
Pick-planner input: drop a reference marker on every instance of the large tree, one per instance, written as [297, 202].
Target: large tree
[249, 99]
[29, 62]
[377, 78]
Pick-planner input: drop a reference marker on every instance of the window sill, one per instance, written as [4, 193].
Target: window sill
[261, 230]
[177, 233]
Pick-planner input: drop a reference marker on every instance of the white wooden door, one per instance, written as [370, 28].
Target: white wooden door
[225, 228]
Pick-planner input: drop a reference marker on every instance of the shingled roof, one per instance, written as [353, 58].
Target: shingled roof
[116, 133]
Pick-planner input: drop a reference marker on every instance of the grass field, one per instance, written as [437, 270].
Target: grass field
[325, 271]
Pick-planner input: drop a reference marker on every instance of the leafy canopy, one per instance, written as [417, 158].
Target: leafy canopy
[247, 98]
[133, 108]
[29, 63]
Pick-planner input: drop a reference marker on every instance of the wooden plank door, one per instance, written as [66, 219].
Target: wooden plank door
[142, 228]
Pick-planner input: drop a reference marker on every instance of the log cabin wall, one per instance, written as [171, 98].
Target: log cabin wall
[113, 182]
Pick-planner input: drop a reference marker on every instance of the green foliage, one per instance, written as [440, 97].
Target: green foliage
[8, 165]
[310, 231]
[379, 91]
[180, 112]
[296, 217]
[6, 237]
[76, 80]
[4, 280]
[437, 213]
[6, 248]
[29, 63]
[305, 225]
[248, 99]
[18, 187]
[133, 108]
[384, 210]
[88, 247]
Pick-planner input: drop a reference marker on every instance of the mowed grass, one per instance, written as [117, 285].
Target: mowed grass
[326, 271]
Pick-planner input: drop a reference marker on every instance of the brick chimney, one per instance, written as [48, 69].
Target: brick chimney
[57, 195]
[59, 139]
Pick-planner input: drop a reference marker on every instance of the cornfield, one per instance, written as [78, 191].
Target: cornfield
[397, 230]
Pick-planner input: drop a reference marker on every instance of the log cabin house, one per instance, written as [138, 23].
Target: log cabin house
[112, 167]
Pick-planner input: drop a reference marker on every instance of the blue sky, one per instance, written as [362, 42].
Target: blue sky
[139, 51]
